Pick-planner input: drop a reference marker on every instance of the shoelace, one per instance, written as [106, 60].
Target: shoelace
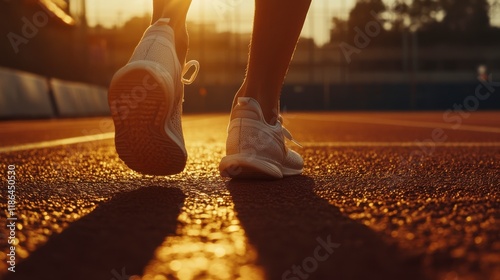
[289, 136]
[189, 64]
[287, 133]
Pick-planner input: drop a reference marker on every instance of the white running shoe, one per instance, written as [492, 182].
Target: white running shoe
[145, 97]
[255, 149]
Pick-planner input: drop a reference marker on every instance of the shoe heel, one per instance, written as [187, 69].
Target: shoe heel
[139, 111]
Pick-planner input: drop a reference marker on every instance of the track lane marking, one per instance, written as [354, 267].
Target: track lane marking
[87, 138]
[465, 127]
[111, 135]
[58, 142]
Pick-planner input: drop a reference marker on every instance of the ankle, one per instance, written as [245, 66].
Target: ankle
[270, 109]
[271, 114]
[181, 38]
[175, 10]
[181, 42]
[176, 13]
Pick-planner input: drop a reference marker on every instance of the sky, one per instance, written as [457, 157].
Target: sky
[224, 14]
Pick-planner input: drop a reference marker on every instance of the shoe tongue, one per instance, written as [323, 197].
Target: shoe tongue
[247, 108]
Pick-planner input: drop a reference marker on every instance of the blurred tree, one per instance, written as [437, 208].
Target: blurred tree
[423, 13]
[339, 29]
[466, 15]
[450, 15]
[363, 11]
[400, 11]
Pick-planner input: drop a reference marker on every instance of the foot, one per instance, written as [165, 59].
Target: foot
[256, 149]
[145, 98]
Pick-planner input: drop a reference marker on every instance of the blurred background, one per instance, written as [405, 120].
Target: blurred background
[353, 55]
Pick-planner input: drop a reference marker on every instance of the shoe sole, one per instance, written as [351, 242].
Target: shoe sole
[250, 167]
[140, 103]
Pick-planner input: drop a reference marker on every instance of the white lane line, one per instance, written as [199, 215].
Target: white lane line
[59, 142]
[111, 135]
[465, 127]
[80, 139]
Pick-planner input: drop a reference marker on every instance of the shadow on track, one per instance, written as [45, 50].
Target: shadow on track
[122, 233]
[287, 222]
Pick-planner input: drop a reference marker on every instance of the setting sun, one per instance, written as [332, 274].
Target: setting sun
[230, 15]
[234, 15]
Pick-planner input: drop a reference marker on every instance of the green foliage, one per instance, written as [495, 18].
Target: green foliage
[437, 21]
[449, 15]
[361, 13]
